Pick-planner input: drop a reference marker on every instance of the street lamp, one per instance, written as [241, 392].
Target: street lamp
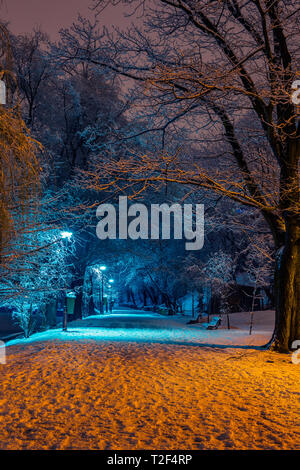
[68, 236]
[102, 268]
[111, 281]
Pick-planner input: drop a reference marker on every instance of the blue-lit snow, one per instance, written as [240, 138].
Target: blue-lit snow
[139, 326]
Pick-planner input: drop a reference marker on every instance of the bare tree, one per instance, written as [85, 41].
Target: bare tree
[229, 68]
[33, 68]
[20, 170]
[42, 274]
[259, 263]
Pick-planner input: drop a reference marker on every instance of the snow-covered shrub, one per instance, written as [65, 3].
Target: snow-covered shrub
[25, 318]
[37, 279]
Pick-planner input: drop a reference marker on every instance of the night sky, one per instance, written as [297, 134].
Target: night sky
[52, 15]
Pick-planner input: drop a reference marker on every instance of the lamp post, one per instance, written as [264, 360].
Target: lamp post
[111, 281]
[66, 235]
[102, 269]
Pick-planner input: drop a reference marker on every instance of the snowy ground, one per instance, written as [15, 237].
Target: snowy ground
[140, 381]
[139, 326]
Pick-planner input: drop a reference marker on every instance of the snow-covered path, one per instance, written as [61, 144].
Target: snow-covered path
[91, 388]
[139, 326]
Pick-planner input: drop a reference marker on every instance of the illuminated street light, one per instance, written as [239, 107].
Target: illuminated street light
[111, 281]
[102, 268]
[67, 235]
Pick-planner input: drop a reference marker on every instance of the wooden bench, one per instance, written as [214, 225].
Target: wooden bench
[214, 323]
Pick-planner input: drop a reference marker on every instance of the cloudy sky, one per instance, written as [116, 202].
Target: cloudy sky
[51, 15]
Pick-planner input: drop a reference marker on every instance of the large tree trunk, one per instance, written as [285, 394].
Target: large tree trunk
[287, 273]
[287, 289]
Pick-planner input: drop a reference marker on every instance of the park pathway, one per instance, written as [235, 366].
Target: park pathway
[92, 388]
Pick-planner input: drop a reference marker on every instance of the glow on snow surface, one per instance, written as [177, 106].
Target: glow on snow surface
[151, 328]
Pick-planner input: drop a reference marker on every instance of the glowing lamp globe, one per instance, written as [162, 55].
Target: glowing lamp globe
[67, 235]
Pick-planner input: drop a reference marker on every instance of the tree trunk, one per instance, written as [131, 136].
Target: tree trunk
[287, 289]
